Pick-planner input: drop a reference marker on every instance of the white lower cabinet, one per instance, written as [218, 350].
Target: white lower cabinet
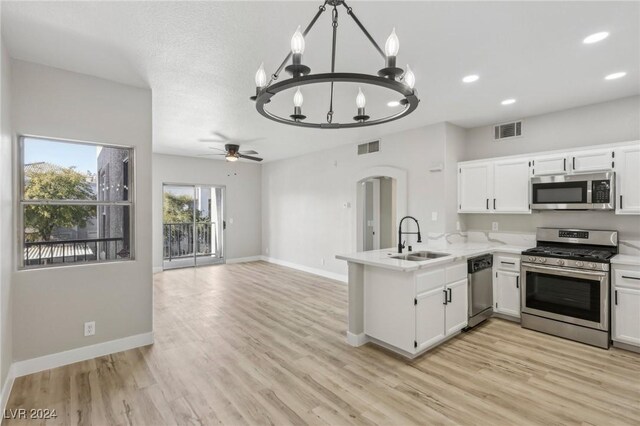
[430, 318]
[507, 292]
[626, 306]
[414, 311]
[442, 310]
[506, 285]
[456, 312]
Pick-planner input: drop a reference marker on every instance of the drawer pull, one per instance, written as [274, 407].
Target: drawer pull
[631, 278]
[507, 263]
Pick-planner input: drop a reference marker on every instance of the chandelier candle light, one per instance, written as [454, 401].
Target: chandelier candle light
[390, 77]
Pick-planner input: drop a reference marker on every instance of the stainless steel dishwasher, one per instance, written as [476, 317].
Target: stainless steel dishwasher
[480, 289]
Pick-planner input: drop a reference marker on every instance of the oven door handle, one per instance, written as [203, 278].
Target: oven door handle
[564, 271]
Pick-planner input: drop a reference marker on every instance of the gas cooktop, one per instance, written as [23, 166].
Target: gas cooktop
[585, 254]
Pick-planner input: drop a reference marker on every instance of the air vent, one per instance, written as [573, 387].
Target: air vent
[369, 147]
[507, 130]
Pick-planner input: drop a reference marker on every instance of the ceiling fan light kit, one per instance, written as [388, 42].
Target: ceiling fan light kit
[390, 77]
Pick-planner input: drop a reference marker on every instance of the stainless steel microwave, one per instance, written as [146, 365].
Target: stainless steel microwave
[593, 191]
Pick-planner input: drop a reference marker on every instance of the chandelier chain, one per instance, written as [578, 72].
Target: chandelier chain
[364, 30]
[334, 24]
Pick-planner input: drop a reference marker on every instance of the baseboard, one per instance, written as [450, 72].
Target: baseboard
[157, 269]
[6, 388]
[314, 271]
[34, 365]
[243, 259]
[356, 339]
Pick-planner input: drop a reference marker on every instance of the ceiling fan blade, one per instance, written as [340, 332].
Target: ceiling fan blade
[221, 136]
[211, 140]
[208, 155]
[241, 141]
[248, 157]
[218, 149]
[250, 152]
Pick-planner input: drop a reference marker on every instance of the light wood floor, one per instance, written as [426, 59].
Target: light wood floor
[257, 343]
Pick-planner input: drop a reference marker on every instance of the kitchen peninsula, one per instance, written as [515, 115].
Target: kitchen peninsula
[407, 304]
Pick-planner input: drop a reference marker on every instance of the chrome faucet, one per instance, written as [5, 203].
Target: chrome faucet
[400, 233]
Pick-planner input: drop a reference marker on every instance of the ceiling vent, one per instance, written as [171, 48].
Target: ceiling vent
[369, 147]
[507, 130]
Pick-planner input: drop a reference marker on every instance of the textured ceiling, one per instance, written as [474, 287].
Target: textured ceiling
[199, 58]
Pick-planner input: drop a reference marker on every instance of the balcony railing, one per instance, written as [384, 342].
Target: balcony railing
[179, 239]
[70, 251]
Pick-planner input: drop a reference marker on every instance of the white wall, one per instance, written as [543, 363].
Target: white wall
[608, 122]
[50, 305]
[242, 204]
[304, 221]
[6, 218]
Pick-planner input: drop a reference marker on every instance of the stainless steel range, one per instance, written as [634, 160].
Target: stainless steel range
[565, 284]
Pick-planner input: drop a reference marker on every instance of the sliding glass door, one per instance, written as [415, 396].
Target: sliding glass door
[193, 225]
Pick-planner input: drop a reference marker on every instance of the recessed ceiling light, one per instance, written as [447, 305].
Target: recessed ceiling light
[615, 75]
[594, 38]
[508, 102]
[393, 104]
[470, 78]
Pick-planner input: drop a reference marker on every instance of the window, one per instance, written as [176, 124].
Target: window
[75, 202]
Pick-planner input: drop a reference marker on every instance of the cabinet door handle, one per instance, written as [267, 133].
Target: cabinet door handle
[487, 204]
[517, 282]
[449, 299]
[445, 297]
[574, 163]
[494, 203]
[564, 167]
[615, 296]
[631, 278]
[621, 202]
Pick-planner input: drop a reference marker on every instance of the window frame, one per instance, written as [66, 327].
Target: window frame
[22, 202]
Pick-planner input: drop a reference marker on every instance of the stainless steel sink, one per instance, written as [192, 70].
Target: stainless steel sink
[418, 256]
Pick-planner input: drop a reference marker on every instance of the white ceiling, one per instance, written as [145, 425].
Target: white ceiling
[199, 58]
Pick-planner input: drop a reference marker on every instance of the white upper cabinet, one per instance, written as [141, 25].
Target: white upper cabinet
[511, 186]
[475, 187]
[592, 161]
[627, 164]
[550, 165]
[502, 185]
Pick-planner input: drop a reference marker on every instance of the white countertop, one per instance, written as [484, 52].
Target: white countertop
[625, 259]
[383, 259]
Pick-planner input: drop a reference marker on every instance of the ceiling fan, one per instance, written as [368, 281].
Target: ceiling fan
[232, 153]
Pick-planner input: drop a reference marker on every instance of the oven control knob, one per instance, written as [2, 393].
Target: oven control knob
[592, 265]
[532, 259]
[579, 264]
[542, 260]
[560, 262]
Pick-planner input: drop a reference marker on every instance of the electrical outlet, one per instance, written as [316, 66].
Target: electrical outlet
[434, 216]
[266, 250]
[457, 225]
[494, 226]
[89, 328]
[322, 261]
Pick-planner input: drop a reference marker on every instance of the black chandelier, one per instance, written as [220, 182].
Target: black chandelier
[390, 77]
